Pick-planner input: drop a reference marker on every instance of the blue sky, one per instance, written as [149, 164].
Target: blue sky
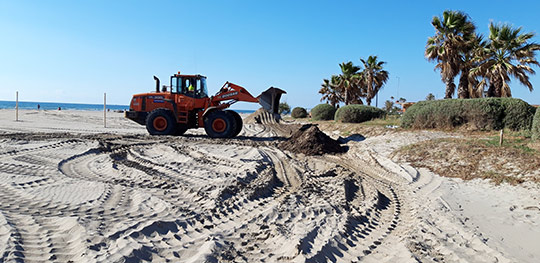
[74, 51]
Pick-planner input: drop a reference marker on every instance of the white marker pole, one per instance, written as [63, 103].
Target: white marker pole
[16, 106]
[104, 110]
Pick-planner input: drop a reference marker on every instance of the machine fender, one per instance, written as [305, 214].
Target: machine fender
[210, 109]
[174, 108]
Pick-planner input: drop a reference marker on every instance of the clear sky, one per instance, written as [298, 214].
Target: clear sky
[74, 51]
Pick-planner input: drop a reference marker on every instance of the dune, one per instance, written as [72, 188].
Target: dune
[72, 190]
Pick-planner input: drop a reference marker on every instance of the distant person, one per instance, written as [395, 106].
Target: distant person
[38, 106]
[59, 108]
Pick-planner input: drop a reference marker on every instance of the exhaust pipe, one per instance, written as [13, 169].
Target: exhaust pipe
[157, 84]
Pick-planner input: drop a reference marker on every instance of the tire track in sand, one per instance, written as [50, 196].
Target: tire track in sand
[193, 199]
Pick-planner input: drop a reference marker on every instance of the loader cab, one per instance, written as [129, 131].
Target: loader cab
[181, 84]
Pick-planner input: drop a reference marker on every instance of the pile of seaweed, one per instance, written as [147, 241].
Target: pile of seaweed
[309, 140]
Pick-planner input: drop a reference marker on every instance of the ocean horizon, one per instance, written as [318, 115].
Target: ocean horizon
[32, 105]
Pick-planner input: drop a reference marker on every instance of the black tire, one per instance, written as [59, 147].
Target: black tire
[160, 122]
[239, 123]
[219, 124]
[180, 129]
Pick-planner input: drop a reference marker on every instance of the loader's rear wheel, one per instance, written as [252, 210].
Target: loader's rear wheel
[238, 120]
[219, 124]
[160, 122]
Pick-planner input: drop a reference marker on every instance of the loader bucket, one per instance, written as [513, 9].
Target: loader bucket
[269, 99]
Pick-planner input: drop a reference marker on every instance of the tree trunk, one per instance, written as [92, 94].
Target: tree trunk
[346, 96]
[450, 88]
[370, 94]
[495, 88]
[498, 90]
[491, 90]
[474, 92]
[463, 87]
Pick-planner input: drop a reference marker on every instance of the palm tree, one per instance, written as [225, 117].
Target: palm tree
[507, 54]
[430, 96]
[374, 77]
[453, 30]
[349, 82]
[467, 87]
[330, 91]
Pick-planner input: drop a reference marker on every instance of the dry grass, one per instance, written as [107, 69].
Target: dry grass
[476, 155]
[515, 162]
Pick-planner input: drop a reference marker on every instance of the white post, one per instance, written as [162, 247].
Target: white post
[16, 106]
[104, 110]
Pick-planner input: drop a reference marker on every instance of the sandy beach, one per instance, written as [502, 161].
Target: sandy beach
[72, 190]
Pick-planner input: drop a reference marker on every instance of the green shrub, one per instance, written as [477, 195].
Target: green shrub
[299, 112]
[284, 108]
[518, 114]
[358, 113]
[478, 114]
[323, 112]
[536, 126]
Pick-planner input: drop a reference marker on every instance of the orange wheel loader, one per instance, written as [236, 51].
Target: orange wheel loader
[186, 105]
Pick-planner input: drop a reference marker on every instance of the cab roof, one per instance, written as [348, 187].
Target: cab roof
[190, 76]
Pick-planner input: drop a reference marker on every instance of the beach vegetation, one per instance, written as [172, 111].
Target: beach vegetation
[299, 112]
[349, 83]
[507, 54]
[374, 77]
[323, 112]
[486, 67]
[535, 129]
[474, 114]
[358, 113]
[390, 107]
[355, 83]
[284, 108]
[477, 156]
[453, 31]
[330, 91]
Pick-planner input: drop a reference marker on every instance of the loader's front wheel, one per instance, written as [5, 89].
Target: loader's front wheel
[238, 120]
[219, 124]
[160, 122]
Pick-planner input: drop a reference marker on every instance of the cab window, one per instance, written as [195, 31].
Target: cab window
[203, 90]
[181, 85]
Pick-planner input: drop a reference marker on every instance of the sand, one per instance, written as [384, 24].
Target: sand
[74, 191]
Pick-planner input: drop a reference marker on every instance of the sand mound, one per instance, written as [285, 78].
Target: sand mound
[310, 140]
[262, 117]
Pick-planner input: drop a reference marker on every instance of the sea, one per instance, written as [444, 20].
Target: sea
[32, 105]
